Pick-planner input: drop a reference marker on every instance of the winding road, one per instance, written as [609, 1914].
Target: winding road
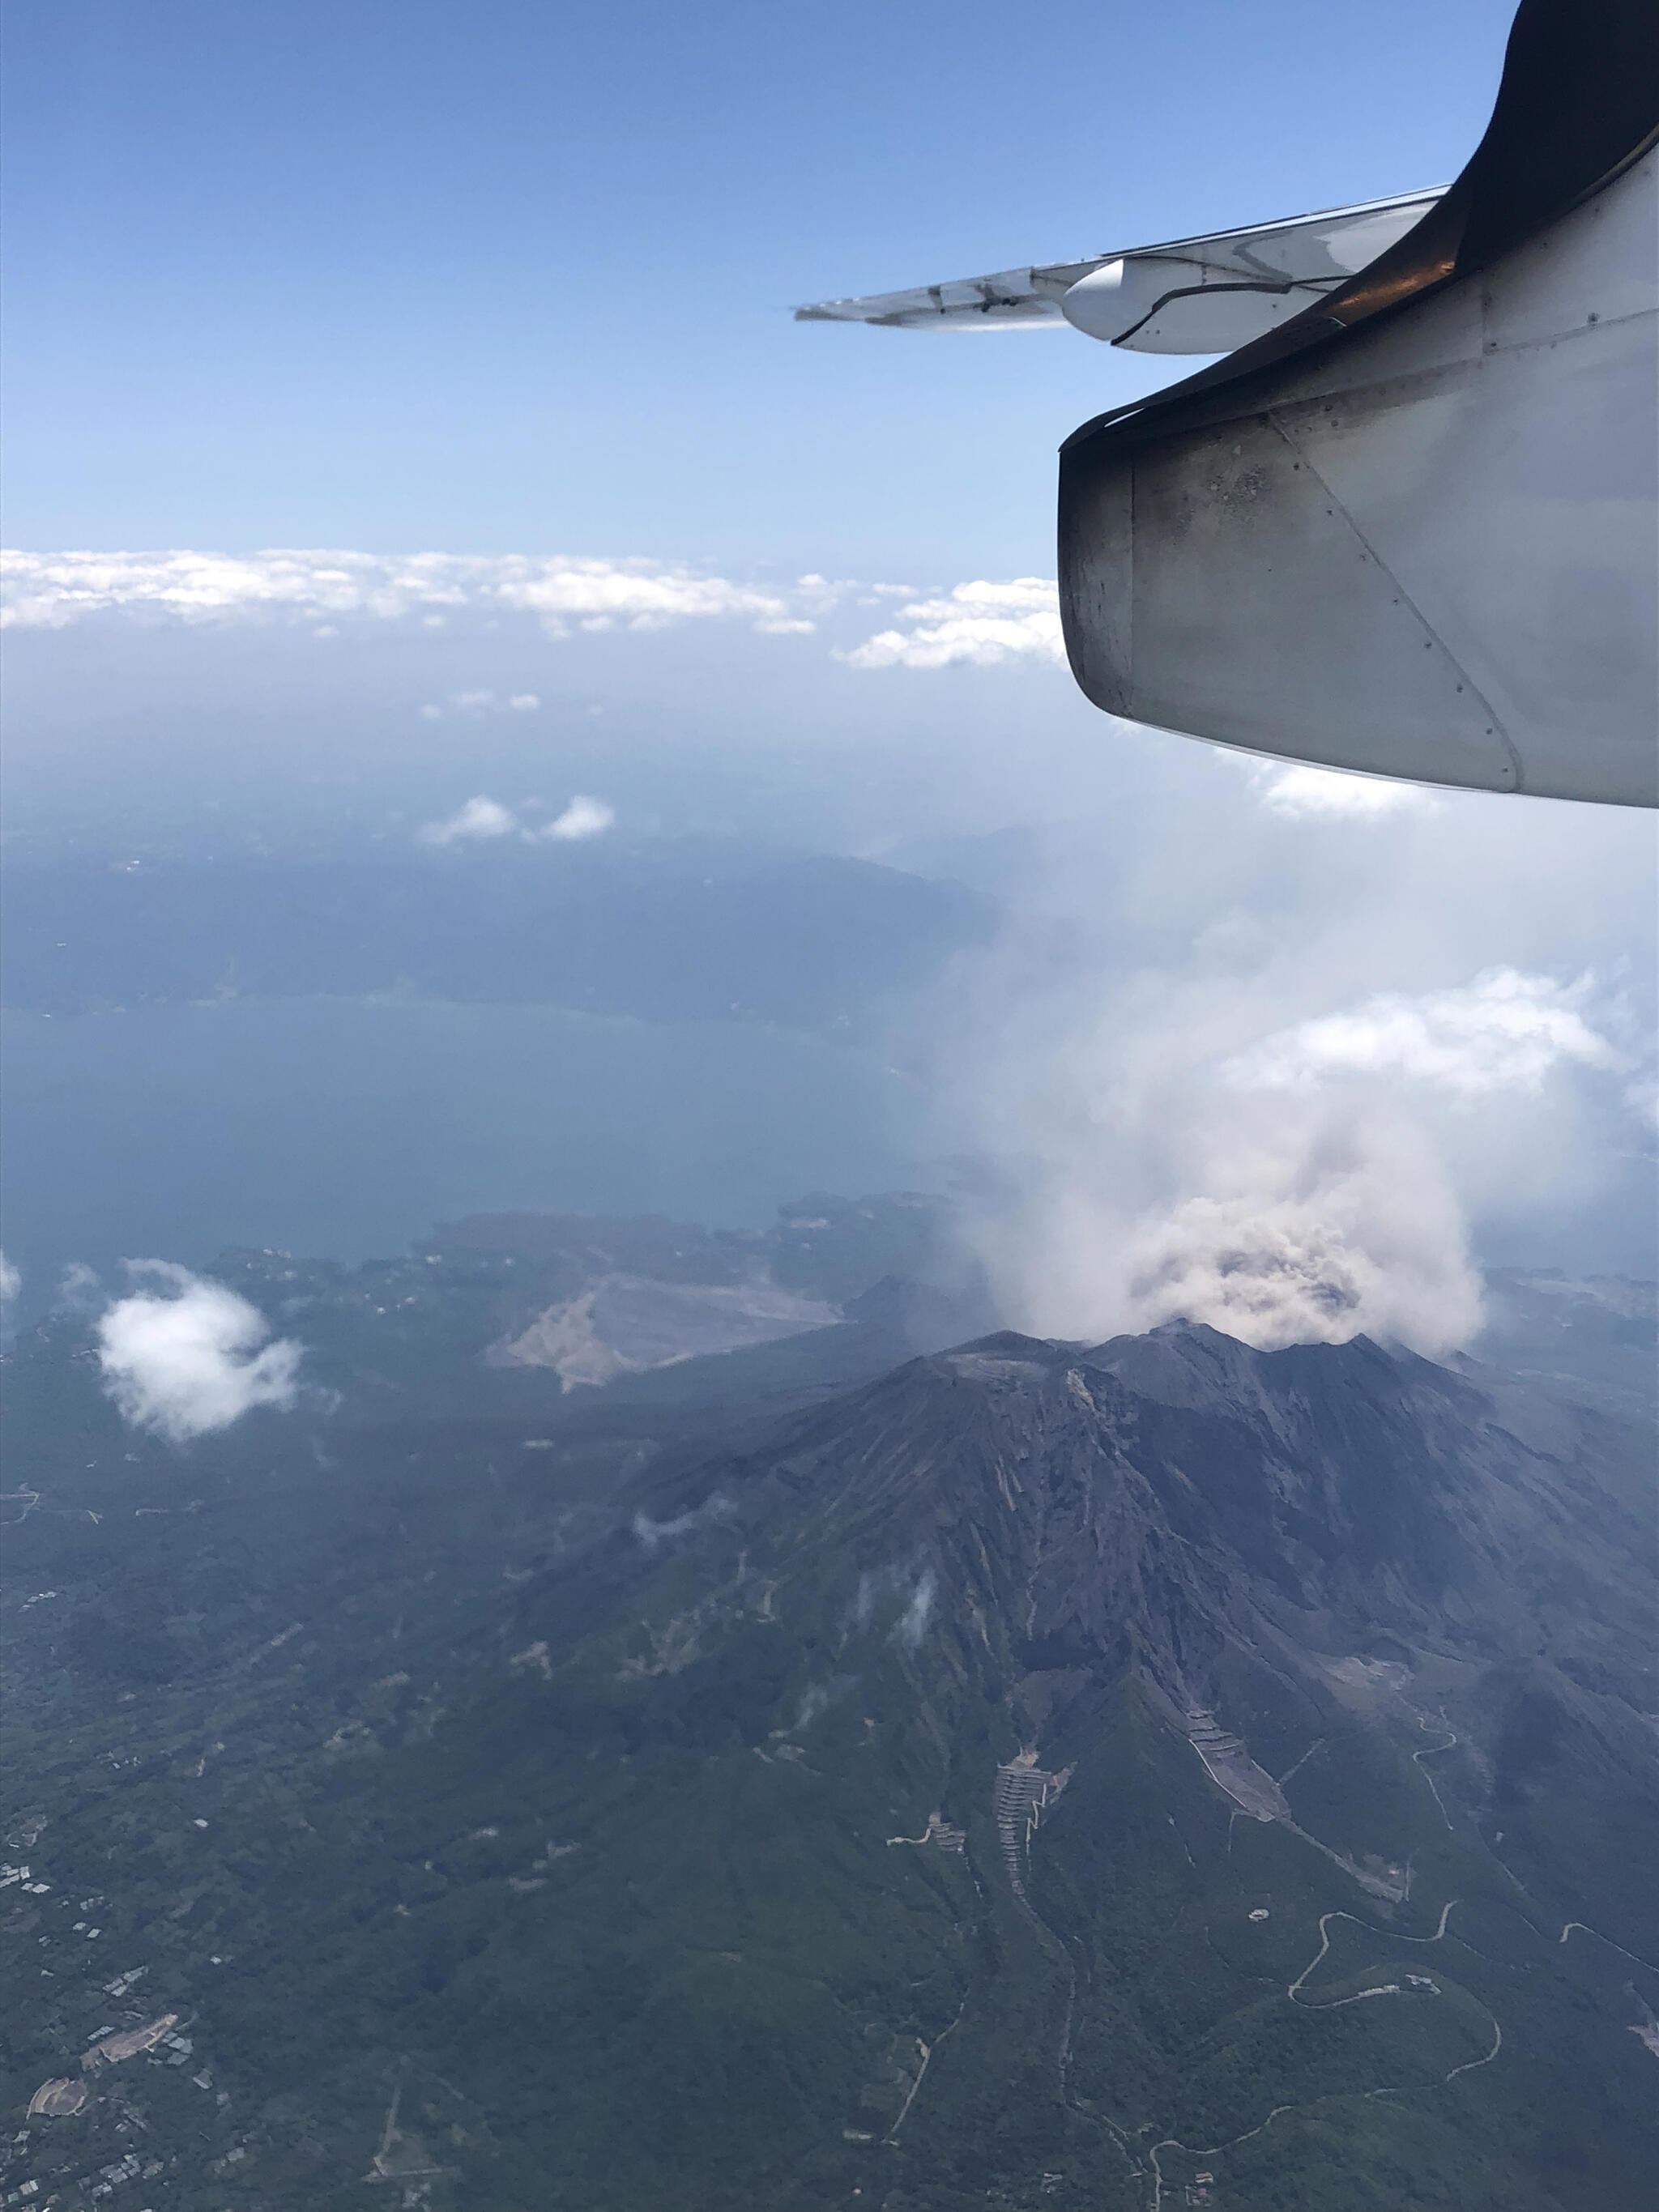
[1292, 1992]
[1430, 1751]
[1586, 1927]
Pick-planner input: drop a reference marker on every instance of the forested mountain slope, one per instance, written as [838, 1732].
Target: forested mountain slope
[1013, 1780]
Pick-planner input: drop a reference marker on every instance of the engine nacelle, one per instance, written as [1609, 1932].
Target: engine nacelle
[1416, 529]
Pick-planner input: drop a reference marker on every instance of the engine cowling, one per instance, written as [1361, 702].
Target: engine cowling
[1416, 529]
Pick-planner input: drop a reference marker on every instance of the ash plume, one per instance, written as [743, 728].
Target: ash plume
[1298, 1109]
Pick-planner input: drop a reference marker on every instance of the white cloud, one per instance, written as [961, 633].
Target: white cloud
[11, 1281]
[716, 1507]
[473, 704]
[484, 818]
[912, 1624]
[1299, 793]
[481, 818]
[51, 590]
[583, 817]
[642, 594]
[1503, 1031]
[979, 623]
[189, 1356]
[79, 1289]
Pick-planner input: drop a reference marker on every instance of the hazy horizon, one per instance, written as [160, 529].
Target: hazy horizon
[609, 557]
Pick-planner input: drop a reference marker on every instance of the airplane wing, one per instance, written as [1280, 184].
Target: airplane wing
[1206, 294]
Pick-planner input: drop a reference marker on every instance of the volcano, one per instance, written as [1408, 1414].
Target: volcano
[1021, 1777]
[1105, 1777]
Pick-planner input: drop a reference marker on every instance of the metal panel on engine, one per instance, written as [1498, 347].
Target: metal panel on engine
[1415, 530]
[1431, 554]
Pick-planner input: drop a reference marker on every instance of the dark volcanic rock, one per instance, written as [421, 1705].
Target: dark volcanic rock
[1168, 1495]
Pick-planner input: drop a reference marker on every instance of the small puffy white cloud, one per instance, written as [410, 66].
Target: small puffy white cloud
[480, 818]
[978, 622]
[1503, 1031]
[79, 1289]
[188, 1356]
[473, 704]
[11, 1281]
[1296, 792]
[483, 819]
[583, 817]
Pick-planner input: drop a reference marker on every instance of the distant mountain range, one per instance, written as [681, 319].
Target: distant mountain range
[1025, 1774]
[678, 930]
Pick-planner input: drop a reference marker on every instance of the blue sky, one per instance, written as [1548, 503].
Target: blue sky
[517, 276]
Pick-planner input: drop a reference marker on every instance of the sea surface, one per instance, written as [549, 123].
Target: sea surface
[346, 1128]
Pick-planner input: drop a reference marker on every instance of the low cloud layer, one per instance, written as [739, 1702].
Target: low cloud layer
[50, 589]
[982, 623]
[183, 1356]
[483, 819]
